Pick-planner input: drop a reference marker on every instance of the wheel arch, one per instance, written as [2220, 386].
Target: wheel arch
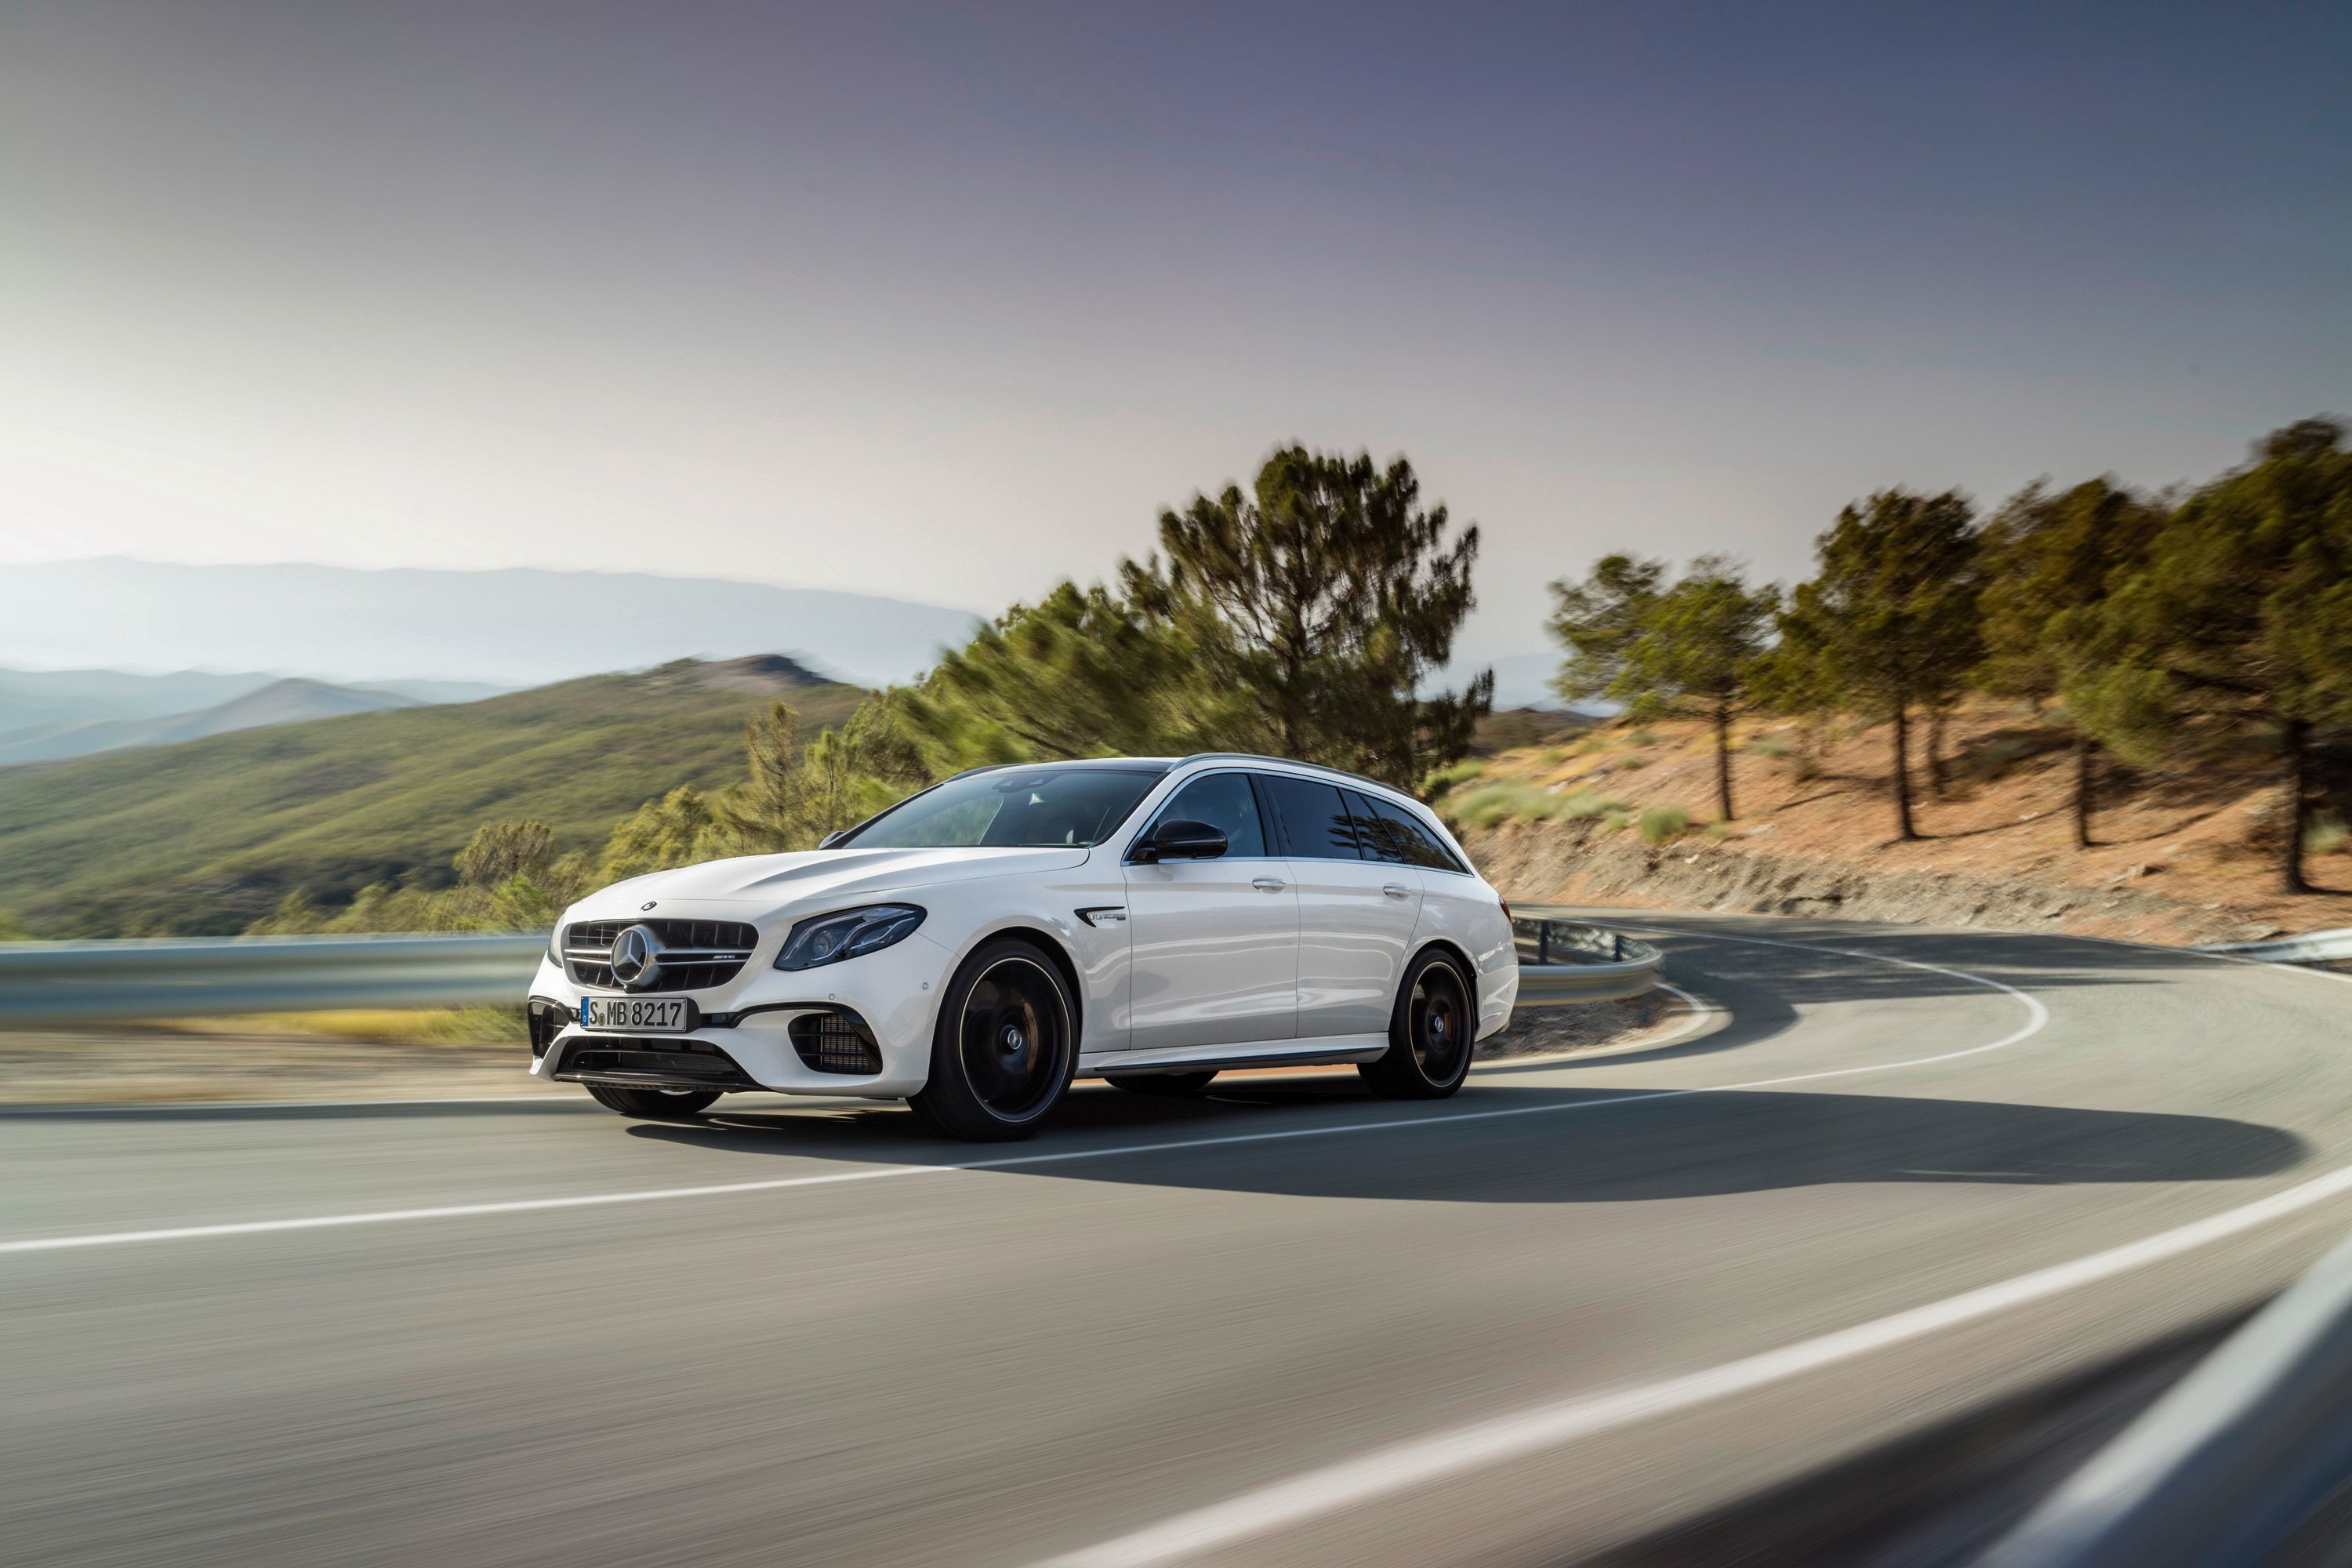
[1064, 966]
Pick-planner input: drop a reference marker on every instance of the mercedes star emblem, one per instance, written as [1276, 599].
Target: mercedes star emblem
[636, 957]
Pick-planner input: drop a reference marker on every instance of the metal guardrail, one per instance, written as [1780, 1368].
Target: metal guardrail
[2245, 1460]
[76, 981]
[1565, 961]
[80, 982]
[2315, 947]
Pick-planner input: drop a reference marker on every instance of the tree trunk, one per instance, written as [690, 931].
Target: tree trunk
[1723, 761]
[1935, 780]
[1902, 828]
[2086, 748]
[2298, 809]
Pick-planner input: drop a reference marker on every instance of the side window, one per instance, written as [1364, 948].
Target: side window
[1378, 835]
[1416, 844]
[1316, 823]
[1223, 801]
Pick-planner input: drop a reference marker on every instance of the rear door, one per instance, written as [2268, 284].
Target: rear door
[1356, 912]
[1214, 942]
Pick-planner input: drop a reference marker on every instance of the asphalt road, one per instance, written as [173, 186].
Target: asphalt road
[1288, 1325]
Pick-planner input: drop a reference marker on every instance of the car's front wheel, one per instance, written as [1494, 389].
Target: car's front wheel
[1431, 1033]
[1005, 1046]
[654, 1104]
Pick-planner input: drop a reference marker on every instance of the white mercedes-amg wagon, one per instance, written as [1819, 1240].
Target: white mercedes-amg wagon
[978, 945]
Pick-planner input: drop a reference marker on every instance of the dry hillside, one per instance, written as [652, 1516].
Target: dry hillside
[2179, 859]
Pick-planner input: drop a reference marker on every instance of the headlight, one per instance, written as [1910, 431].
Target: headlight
[852, 933]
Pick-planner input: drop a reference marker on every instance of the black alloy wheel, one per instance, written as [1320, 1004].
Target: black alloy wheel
[1005, 1046]
[1431, 1033]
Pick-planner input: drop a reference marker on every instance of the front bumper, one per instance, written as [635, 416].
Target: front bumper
[895, 991]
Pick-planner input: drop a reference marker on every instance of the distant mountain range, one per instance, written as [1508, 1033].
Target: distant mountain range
[48, 714]
[511, 628]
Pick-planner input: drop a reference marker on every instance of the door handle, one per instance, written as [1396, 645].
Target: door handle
[1268, 884]
[1395, 891]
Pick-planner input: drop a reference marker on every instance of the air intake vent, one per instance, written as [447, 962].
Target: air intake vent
[695, 955]
[837, 1042]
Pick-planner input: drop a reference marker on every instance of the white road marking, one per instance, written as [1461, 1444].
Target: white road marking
[2036, 1016]
[1421, 1460]
[1425, 1460]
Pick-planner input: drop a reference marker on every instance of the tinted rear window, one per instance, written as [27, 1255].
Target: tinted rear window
[1315, 822]
[1398, 835]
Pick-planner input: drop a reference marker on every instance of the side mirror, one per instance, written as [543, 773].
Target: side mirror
[1179, 840]
[832, 838]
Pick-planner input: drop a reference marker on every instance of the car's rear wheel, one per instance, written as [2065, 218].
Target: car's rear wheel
[1431, 1033]
[654, 1104]
[1005, 1046]
[1167, 1085]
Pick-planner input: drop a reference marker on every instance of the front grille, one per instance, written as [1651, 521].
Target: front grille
[837, 1042]
[668, 1062]
[695, 955]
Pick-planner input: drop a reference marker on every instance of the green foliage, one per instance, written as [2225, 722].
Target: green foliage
[1484, 806]
[1718, 831]
[12, 929]
[1693, 647]
[1664, 823]
[1890, 623]
[1081, 673]
[1773, 746]
[1644, 737]
[1450, 777]
[1322, 599]
[2238, 620]
[2328, 835]
[2050, 562]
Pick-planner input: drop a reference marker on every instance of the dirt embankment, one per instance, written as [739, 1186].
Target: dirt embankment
[2176, 860]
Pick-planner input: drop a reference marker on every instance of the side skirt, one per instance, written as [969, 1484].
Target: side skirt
[1327, 1050]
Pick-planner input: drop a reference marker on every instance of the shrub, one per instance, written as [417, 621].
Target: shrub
[2326, 836]
[1643, 738]
[1614, 822]
[1773, 746]
[1664, 823]
[1718, 831]
[1450, 777]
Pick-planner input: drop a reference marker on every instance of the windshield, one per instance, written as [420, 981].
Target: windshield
[1071, 805]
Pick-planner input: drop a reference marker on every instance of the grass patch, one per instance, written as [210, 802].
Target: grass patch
[2329, 836]
[1773, 746]
[1643, 738]
[1451, 776]
[1664, 823]
[1484, 806]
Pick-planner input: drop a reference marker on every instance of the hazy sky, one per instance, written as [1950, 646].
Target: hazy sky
[945, 304]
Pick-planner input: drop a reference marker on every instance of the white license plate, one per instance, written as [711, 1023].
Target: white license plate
[636, 1015]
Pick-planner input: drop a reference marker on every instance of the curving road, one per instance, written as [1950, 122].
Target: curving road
[1889, 1174]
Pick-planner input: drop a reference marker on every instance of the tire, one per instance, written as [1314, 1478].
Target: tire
[653, 1104]
[1006, 1046]
[1432, 1032]
[1162, 1085]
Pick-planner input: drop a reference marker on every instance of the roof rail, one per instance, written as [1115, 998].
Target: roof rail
[1292, 762]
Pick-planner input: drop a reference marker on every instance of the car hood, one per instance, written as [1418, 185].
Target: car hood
[832, 877]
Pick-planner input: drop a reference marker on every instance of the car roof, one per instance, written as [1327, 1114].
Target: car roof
[1169, 764]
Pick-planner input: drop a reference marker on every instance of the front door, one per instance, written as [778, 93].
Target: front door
[1215, 943]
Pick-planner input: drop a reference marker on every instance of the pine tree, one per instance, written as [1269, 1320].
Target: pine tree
[1890, 621]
